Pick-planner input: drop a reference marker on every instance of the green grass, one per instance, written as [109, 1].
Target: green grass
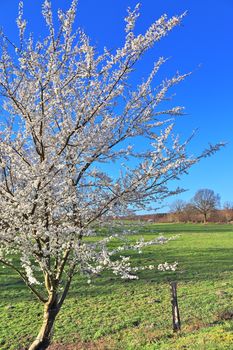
[113, 314]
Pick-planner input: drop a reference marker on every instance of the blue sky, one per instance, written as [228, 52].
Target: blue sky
[203, 44]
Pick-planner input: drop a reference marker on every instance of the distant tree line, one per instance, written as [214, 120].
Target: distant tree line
[203, 207]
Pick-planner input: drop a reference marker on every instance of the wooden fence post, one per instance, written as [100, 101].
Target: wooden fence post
[175, 308]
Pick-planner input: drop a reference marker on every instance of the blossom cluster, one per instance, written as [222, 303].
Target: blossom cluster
[168, 267]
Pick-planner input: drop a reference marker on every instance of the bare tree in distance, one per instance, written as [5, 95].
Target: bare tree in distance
[228, 211]
[205, 201]
[177, 206]
[190, 213]
[68, 110]
[177, 209]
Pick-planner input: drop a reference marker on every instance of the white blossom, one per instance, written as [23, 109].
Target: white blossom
[67, 159]
[168, 267]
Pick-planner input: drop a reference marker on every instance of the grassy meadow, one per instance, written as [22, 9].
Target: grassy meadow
[115, 314]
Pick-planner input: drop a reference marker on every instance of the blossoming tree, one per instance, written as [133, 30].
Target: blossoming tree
[67, 112]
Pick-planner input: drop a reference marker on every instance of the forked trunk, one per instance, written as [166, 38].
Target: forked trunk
[44, 336]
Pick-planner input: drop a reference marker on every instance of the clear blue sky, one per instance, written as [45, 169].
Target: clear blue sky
[203, 44]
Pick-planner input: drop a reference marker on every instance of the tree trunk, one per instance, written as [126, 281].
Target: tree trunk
[44, 336]
[205, 218]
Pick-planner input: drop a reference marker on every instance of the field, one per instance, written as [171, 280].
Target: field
[113, 314]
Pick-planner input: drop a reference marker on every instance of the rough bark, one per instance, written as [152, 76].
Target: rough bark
[44, 336]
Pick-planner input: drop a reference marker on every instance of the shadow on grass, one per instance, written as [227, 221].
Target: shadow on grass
[204, 255]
